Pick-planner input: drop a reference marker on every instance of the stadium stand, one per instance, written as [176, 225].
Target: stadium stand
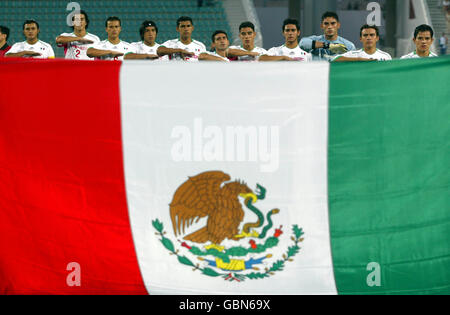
[52, 15]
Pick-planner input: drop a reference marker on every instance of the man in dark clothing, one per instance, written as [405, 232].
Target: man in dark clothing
[4, 34]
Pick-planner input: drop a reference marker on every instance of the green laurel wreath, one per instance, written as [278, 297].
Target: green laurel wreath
[279, 265]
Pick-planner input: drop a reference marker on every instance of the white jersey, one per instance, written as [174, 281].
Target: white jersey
[259, 50]
[122, 47]
[378, 55]
[195, 47]
[414, 55]
[142, 48]
[41, 47]
[76, 50]
[295, 53]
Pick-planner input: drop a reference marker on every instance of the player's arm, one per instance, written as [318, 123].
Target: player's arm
[134, 56]
[275, 58]
[233, 52]
[308, 43]
[63, 40]
[163, 51]
[97, 53]
[350, 59]
[311, 43]
[208, 57]
[25, 53]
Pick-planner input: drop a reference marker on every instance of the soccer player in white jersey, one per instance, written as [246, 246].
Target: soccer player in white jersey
[247, 35]
[112, 48]
[291, 33]
[221, 44]
[183, 48]
[423, 39]
[77, 43]
[369, 36]
[147, 48]
[32, 47]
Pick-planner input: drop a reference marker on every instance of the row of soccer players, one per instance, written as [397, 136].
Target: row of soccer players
[330, 46]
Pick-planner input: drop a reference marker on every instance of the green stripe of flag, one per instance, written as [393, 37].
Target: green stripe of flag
[389, 176]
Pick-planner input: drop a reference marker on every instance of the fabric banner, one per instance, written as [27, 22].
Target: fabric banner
[389, 176]
[269, 178]
[211, 128]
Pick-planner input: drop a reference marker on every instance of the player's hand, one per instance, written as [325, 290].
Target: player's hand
[253, 53]
[84, 41]
[338, 49]
[150, 56]
[185, 53]
[115, 54]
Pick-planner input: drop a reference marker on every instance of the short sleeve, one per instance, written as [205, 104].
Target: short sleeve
[272, 51]
[51, 52]
[96, 39]
[203, 48]
[168, 44]
[133, 49]
[96, 46]
[14, 49]
[63, 34]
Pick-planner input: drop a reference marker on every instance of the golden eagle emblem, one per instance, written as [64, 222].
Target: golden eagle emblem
[212, 195]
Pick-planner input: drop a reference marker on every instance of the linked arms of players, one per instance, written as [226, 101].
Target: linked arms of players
[275, 58]
[230, 52]
[350, 59]
[163, 51]
[97, 53]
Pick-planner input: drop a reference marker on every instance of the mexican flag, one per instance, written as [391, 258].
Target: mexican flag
[260, 179]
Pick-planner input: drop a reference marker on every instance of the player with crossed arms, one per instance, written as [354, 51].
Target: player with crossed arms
[112, 48]
[77, 43]
[369, 36]
[32, 47]
[222, 50]
[291, 33]
[148, 47]
[183, 48]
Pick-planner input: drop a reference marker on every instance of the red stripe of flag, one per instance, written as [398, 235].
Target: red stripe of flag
[62, 187]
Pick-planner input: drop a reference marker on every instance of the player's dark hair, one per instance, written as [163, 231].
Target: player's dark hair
[184, 19]
[291, 21]
[329, 14]
[111, 19]
[30, 22]
[86, 17]
[213, 37]
[4, 30]
[366, 27]
[247, 24]
[144, 25]
[423, 28]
